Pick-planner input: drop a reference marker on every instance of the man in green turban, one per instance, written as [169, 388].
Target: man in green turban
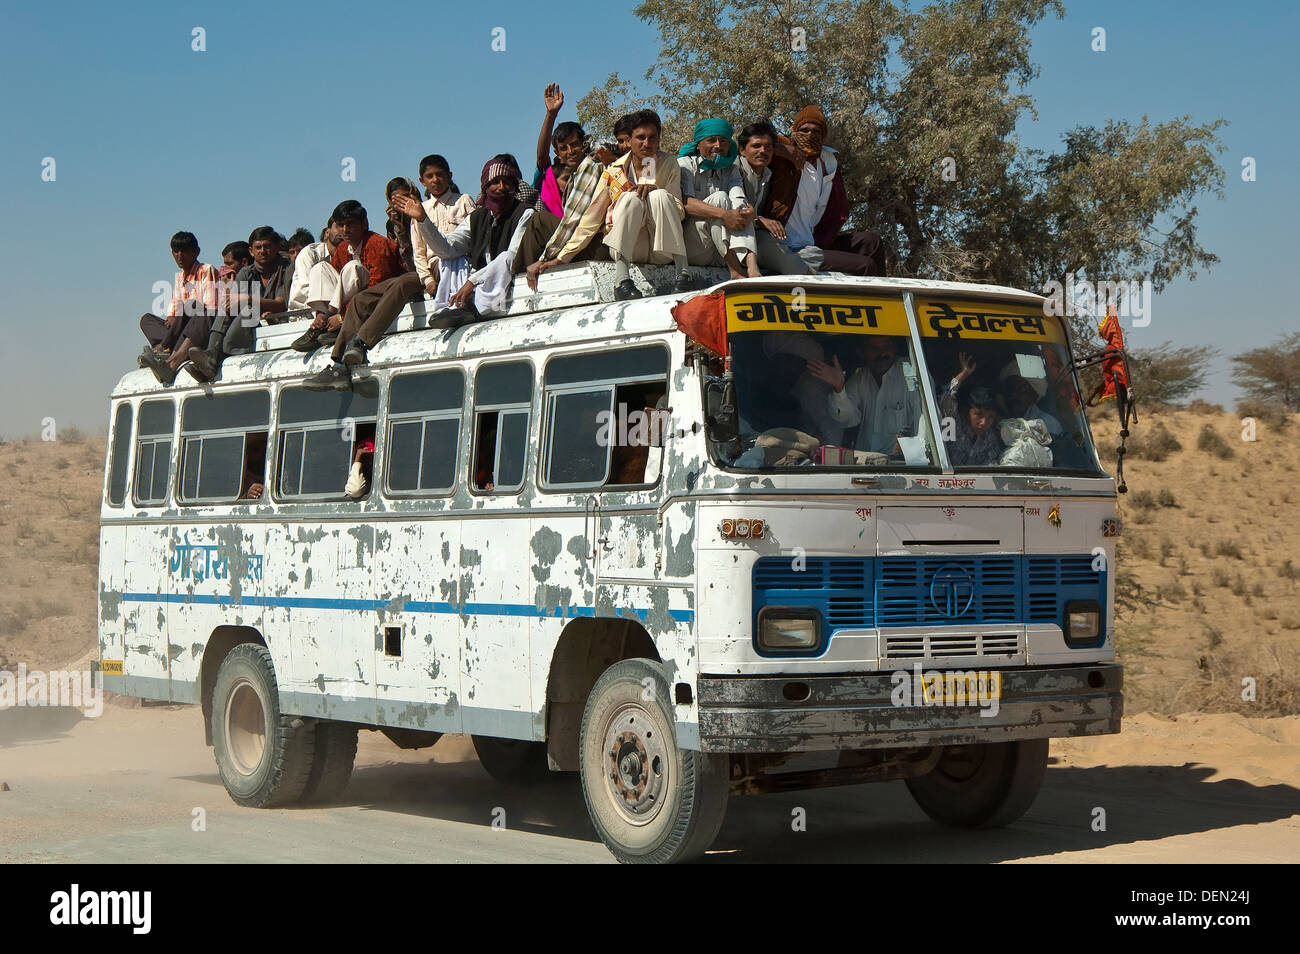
[719, 227]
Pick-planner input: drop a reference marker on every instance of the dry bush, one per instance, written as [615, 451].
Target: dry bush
[1217, 685]
[1199, 406]
[1155, 446]
[1211, 441]
[1173, 591]
[1165, 497]
[1265, 412]
[1228, 548]
[1219, 577]
[1287, 571]
[26, 529]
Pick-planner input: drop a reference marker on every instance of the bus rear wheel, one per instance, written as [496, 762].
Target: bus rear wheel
[512, 761]
[335, 752]
[650, 800]
[264, 756]
[982, 786]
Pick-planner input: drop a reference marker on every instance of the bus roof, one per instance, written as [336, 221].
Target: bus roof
[572, 305]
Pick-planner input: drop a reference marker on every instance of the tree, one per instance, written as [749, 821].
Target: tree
[1168, 375]
[923, 109]
[1271, 374]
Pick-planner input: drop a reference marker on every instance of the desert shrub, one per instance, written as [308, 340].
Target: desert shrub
[1219, 577]
[72, 435]
[1174, 591]
[1211, 441]
[26, 529]
[1228, 548]
[1143, 500]
[1199, 406]
[1218, 684]
[1287, 571]
[1165, 497]
[62, 464]
[1155, 446]
[1265, 412]
[1239, 586]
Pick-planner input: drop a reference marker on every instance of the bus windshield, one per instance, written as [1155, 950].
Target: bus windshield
[837, 383]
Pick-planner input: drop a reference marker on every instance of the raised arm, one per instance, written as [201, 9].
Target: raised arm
[554, 100]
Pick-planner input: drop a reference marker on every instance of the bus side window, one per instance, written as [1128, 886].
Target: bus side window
[118, 459]
[215, 431]
[252, 485]
[319, 433]
[503, 396]
[424, 415]
[605, 416]
[153, 453]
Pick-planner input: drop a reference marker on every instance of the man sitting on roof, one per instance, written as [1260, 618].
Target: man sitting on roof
[193, 292]
[364, 258]
[308, 258]
[807, 197]
[719, 219]
[263, 295]
[639, 203]
[490, 239]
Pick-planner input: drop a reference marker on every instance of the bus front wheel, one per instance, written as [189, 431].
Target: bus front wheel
[650, 800]
[982, 786]
[264, 756]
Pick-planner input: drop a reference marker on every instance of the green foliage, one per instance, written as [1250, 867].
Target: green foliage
[910, 94]
[1168, 375]
[1271, 375]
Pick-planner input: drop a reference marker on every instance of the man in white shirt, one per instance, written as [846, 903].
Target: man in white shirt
[883, 397]
[309, 256]
[719, 227]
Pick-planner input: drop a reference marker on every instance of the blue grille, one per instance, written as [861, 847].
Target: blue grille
[855, 593]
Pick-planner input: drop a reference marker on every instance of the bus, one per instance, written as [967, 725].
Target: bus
[783, 533]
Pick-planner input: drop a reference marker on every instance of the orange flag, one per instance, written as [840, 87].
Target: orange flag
[1114, 375]
[704, 319]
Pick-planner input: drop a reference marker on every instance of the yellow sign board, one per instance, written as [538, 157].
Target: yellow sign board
[962, 320]
[111, 667]
[770, 311]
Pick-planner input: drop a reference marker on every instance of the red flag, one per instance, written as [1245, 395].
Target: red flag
[704, 319]
[1114, 374]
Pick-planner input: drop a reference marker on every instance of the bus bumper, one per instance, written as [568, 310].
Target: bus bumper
[859, 711]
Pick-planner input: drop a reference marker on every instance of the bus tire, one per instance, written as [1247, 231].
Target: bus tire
[651, 801]
[264, 756]
[512, 761]
[335, 752]
[982, 786]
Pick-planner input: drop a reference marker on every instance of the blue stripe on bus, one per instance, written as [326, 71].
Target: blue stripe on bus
[411, 606]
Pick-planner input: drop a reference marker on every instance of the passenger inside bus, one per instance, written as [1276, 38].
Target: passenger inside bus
[882, 397]
[252, 484]
[363, 461]
[639, 459]
[485, 451]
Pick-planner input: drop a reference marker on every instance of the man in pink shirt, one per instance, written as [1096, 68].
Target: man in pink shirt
[195, 282]
[194, 292]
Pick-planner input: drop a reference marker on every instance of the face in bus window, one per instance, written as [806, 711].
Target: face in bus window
[879, 354]
[1018, 396]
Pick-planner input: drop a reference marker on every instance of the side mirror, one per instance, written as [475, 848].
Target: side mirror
[721, 423]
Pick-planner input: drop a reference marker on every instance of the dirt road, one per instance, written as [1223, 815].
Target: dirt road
[132, 785]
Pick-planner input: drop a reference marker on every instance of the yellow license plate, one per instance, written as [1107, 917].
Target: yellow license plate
[961, 687]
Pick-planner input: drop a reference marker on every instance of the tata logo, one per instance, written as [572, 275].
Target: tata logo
[952, 590]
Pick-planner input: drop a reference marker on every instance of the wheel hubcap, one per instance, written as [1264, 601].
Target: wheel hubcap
[245, 728]
[636, 764]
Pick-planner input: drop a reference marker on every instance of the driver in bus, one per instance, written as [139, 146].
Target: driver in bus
[1020, 397]
[882, 396]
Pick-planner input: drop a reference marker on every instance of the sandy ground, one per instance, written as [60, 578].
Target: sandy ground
[126, 787]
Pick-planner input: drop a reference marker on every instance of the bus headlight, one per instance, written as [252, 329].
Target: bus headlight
[785, 629]
[1082, 622]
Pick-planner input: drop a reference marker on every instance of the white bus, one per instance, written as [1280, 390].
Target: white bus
[772, 595]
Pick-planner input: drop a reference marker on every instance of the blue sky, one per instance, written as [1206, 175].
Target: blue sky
[150, 137]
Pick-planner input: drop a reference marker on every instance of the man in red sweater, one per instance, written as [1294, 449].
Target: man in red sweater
[363, 259]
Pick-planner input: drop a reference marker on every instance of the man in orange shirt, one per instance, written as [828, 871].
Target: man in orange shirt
[364, 258]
